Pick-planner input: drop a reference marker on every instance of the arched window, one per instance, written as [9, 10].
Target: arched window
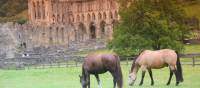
[78, 18]
[88, 17]
[50, 36]
[62, 34]
[43, 10]
[93, 16]
[100, 16]
[38, 10]
[104, 15]
[34, 11]
[111, 15]
[83, 17]
[53, 18]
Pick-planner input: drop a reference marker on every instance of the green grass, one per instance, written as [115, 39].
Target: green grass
[68, 78]
[192, 49]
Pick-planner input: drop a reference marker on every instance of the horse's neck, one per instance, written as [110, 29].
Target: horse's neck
[135, 69]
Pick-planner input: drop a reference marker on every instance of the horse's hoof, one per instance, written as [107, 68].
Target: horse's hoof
[152, 84]
[168, 84]
[177, 83]
[140, 84]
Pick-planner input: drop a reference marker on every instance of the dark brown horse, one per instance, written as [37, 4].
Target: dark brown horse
[99, 63]
[148, 60]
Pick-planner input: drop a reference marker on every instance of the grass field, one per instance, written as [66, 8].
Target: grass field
[192, 49]
[68, 78]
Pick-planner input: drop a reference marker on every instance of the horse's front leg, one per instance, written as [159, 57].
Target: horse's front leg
[88, 78]
[143, 74]
[170, 76]
[151, 76]
[98, 80]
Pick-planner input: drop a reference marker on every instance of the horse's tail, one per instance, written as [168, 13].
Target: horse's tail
[179, 68]
[119, 73]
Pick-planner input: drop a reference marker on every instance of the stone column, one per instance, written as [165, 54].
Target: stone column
[98, 30]
[88, 31]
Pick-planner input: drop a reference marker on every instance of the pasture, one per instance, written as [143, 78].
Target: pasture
[68, 78]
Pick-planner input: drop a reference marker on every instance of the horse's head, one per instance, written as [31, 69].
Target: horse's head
[132, 78]
[83, 81]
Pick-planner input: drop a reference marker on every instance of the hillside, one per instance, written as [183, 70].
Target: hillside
[12, 10]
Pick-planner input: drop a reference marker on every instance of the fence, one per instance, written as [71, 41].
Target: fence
[72, 61]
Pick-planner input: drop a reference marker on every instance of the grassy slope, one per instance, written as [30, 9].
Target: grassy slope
[22, 15]
[68, 78]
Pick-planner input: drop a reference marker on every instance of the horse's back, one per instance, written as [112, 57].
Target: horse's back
[100, 62]
[157, 59]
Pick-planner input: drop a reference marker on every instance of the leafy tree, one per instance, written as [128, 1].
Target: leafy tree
[148, 24]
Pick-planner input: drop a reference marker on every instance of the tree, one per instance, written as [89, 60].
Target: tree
[148, 24]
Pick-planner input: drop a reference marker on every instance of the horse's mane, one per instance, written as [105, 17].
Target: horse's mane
[133, 65]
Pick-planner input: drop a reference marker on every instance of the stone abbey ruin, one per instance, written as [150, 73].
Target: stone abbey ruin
[55, 23]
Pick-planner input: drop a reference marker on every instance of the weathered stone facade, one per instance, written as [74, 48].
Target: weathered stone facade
[59, 22]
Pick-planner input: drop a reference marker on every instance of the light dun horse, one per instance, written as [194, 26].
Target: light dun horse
[97, 63]
[148, 60]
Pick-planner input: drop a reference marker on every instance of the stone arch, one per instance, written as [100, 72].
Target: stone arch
[100, 16]
[104, 15]
[93, 16]
[111, 15]
[92, 30]
[82, 31]
[102, 28]
[88, 17]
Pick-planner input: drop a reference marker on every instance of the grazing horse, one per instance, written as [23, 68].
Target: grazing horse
[99, 63]
[148, 60]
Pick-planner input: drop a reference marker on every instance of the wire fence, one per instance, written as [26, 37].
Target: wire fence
[41, 62]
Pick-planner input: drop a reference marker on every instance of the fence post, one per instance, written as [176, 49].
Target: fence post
[193, 61]
[127, 61]
[76, 61]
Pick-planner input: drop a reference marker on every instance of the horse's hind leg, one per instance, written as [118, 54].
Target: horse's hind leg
[114, 79]
[173, 68]
[170, 76]
[177, 79]
[98, 80]
[151, 76]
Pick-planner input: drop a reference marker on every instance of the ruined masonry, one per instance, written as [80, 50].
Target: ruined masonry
[55, 23]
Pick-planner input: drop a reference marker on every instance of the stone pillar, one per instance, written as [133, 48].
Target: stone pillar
[98, 30]
[88, 31]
